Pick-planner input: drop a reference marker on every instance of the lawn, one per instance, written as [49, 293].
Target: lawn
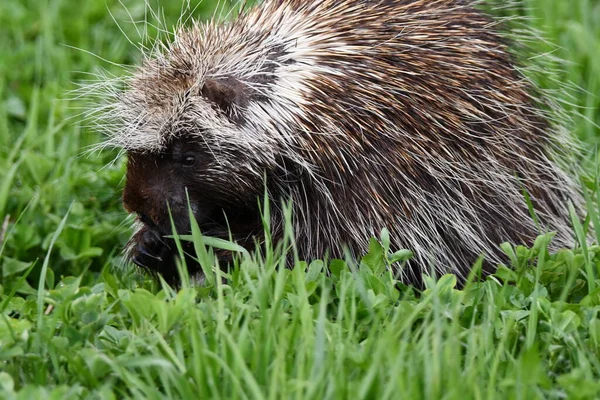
[78, 322]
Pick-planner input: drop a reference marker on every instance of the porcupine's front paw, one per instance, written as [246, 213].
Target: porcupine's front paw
[158, 254]
[150, 250]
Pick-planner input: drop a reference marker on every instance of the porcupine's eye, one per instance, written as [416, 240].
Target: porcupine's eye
[181, 155]
[189, 160]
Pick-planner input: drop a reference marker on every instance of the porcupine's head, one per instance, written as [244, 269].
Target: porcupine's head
[184, 128]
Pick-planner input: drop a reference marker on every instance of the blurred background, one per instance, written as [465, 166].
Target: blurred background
[47, 47]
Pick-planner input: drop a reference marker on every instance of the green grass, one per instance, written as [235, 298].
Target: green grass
[74, 323]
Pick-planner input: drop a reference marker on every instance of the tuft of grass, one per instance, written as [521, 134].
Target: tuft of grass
[263, 331]
[77, 323]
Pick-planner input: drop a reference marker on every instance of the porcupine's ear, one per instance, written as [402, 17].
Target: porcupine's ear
[228, 94]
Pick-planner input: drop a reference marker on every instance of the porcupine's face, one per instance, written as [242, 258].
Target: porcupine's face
[202, 155]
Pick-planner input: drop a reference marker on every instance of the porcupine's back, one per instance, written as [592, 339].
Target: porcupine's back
[402, 114]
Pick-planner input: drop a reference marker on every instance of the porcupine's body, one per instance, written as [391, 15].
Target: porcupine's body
[404, 114]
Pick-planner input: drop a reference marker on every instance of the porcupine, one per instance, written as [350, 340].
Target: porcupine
[410, 115]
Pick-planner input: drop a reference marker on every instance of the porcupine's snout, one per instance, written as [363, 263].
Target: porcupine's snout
[150, 247]
[155, 193]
